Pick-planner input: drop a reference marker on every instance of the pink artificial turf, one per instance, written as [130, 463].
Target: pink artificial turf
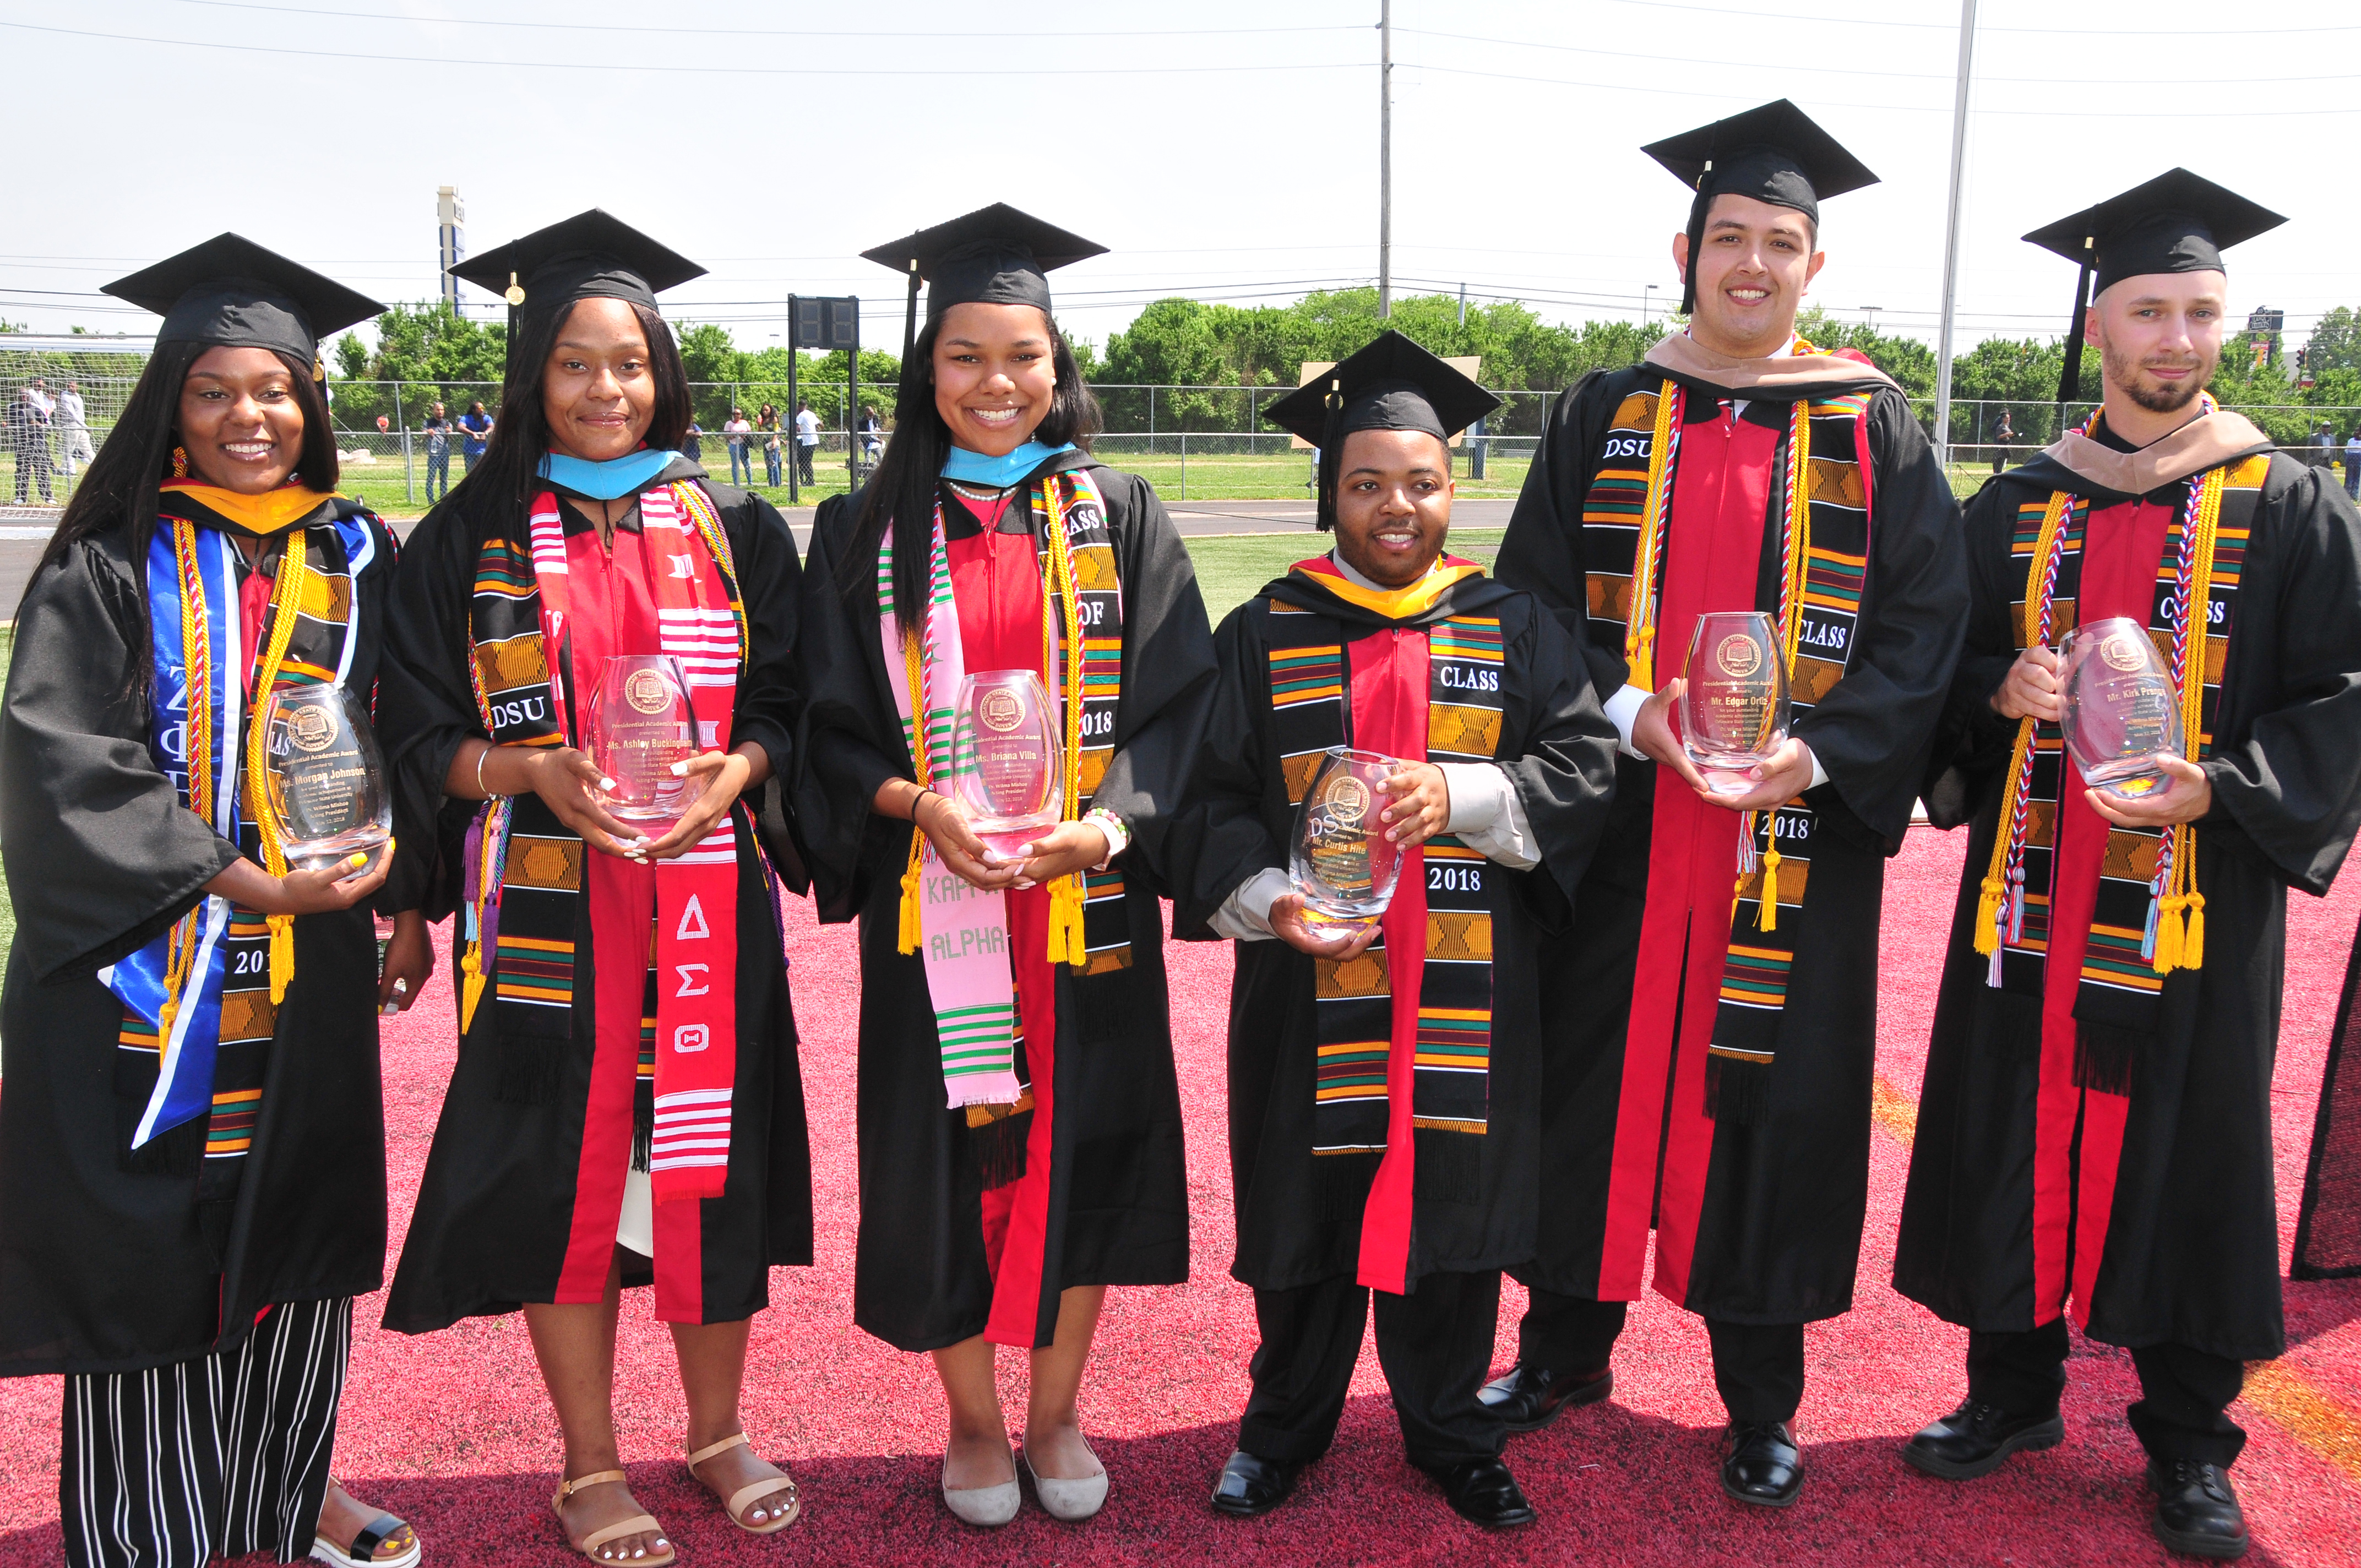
[454, 1431]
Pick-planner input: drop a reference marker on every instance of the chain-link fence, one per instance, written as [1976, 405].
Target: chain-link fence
[1191, 443]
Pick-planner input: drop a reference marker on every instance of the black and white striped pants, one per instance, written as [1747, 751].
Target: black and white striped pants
[218, 1456]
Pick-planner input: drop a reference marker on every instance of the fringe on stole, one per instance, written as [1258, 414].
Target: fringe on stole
[1448, 1166]
[531, 1067]
[1737, 1091]
[998, 1142]
[2104, 1055]
[1340, 1184]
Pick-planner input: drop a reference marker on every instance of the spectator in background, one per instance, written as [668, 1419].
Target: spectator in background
[2353, 463]
[806, 441]
[2004, 437]
[479, 426]
[28, 437]
[735, 433]
[437, 431]
[692, 444]
[2324, 439]
[767, 423]
[872, 435]
[73, 431]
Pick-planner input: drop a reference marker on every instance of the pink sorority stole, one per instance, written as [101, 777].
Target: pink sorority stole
[658, 591]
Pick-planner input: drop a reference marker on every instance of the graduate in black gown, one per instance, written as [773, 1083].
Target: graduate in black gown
[2094, 1138]
[191, 1140]
[1385, 1074]
[626, 1109]
[1711, 1078]
[1019, 1116]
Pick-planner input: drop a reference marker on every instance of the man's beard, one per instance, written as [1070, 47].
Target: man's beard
[2163, 399]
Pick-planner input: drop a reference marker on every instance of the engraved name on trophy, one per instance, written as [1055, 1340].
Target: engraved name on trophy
[2120, 712]
[1008, 758]
[641, 723]
[326, 786]
[1341, 860]
[1734, 714]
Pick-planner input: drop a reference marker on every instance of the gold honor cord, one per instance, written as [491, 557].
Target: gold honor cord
[197, 746]
[1796, 566]
[286, 596]
[2173, 950]
[2037, 584]
[911, 932]
[1640, 636]
[1066, 938]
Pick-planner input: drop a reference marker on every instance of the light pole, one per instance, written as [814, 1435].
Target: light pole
[1870, 312]
[1647, 297]
[1951, 231]
[1385, 160]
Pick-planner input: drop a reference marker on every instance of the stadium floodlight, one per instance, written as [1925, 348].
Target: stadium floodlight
[450, 240]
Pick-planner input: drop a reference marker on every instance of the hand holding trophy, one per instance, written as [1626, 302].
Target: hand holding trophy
[1343, 865]
[1734, 710]
[641, 724]
[326, 786]
[2120, 716]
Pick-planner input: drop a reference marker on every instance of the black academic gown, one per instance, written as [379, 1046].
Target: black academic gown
[1778, 1232]
[1119, 1210]
[1556, 748]
[2190, 1255]
[103, 1263]
[496, 1207]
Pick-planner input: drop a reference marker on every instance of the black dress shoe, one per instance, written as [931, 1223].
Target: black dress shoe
[1762, 1466]
[1251, 1484]
[1530, 1398]
[1973, 1440]
[2196, 1512]
[1481, 1491]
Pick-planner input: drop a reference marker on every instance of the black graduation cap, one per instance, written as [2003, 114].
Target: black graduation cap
[994, 255]
[590, 256]
[231, 292]
[1774, 153]
[1393, 384]
[2178, 222]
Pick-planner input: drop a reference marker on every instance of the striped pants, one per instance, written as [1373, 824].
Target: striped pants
[219, 1456]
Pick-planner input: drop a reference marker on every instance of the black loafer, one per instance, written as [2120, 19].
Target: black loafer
[1975, 1438]
[1251, 1484]
[1763, 1465]
[1481, 1491]
[1529, 1399]
[2196, 1512]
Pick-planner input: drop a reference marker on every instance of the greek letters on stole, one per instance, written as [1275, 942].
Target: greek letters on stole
[2119, 986]
[1354, 1000]
[1832, 524]
[207, 1068]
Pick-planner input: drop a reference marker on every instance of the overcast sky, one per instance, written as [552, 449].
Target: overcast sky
[1222, 148]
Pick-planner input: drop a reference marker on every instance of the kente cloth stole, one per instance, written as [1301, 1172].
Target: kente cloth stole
[1354, 1000]
[961, 932]
[2150, 918]
[525, 869]
[1822, 483]
[201, 1002]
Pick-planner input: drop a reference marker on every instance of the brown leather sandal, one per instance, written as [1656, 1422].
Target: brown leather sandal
[752, 1492]
[638, 1524]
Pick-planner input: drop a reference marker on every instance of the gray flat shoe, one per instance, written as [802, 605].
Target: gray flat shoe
[989, 1506]
[1072, 1501]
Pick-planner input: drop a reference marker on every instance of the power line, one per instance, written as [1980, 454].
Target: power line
[797, 70]
[796, 33]
[1952, 27]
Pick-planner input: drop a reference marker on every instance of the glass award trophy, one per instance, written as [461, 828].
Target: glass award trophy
[1008, 765]
[2120, 713]
[1342, 862]
[641, 725]
[1734, 714]
[326, 786]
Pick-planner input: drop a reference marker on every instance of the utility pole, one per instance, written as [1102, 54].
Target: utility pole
[1951, 233]
[1463, 304]
[450, 241]
[1385, 160]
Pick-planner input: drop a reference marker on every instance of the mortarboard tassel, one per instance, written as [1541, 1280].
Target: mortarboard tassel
[2069, 376]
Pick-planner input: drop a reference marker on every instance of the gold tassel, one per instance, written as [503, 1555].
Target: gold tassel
[1766, 917]
[912, 931]
[1066, 940]
[1988, 915]
[471, 987]
[1643, 660]
[2167, 933]
[2192, 950]
[282, 956]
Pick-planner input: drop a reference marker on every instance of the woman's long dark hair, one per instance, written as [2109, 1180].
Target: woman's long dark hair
[119, 486]
[498, 490]
[902, 491]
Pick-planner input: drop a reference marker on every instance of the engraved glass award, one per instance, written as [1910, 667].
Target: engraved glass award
[326, 787]
[641, 725]
[1734, 714]
[1342, 862]
[2120, 713]
[1008, 766]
